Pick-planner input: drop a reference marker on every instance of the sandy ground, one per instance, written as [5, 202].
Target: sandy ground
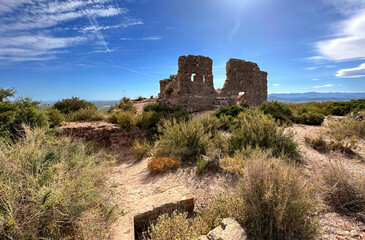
[130, 182]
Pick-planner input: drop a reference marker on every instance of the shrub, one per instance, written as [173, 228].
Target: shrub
[141, 149]
[346, 189]
[184, 141]
[162, 164]
[278, 110]
[278, 201]
[52, 188]
[86, 114]
[257, 130]
[230, 112]
[321, 145]
[126, 120]
[348, 127]
[13, 114]
[55, 117]
[71, 105]
[125, 105]
[310, 118]
[149, 121]
[176, 226]
[273, 201]
[201, 165]
[154, 113]
[139, 99]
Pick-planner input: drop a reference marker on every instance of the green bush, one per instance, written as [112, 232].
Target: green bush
[52, 188]
[258, 130]
[55, 117]
[125, 104]
[154, 113]
[141, 149]
[13, 114]
[278, 110]
[71, 105]
[86, 114]
[344, 108]
[310, 118]
[126, 120]
[230, 112]
[183, 141]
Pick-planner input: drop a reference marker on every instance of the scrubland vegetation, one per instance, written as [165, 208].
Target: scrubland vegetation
[53, 188]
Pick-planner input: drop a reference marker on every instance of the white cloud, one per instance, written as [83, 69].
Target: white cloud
[33, 30]
[276, 84]
[323, 86]
[348, 38]
[352, 72]
[151, 38]
[311, 68]
[315, 79]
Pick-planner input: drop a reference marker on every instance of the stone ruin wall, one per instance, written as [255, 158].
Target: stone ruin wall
[193, 89]
[104, 134]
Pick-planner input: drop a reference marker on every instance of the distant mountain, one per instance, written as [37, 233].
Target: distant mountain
[314, 96]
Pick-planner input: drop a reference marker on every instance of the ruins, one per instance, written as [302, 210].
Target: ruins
[193, 88]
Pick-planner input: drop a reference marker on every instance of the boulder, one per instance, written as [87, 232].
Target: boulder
[229, 229]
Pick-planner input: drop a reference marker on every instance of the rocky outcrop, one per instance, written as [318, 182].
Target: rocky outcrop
[229, 229]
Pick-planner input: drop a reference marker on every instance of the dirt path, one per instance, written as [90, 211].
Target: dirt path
[133, 187]
[333, 225]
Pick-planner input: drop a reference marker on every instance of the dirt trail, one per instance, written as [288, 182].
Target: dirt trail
[132, 186]
[333, 225]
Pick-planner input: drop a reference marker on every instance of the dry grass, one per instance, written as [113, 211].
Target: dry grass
[52, 189]
[321, 145]
[162, 164]
[141, 149]
[346, 189]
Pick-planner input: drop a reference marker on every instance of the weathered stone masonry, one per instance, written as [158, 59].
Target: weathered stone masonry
[193, 90]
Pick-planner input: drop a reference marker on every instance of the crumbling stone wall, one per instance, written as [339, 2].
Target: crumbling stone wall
[245, 77]
[104, 134]
[193, 89]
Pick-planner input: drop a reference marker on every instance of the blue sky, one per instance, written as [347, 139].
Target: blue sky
[107, 49]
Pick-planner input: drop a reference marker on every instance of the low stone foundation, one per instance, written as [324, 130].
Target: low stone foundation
[103, 133]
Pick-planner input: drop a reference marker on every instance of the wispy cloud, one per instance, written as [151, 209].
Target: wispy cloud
[34, 30]
[276, 84]
[352, 72]
[311, 68]
[151, 38]
[315, 79]
[348, 41]
[323, 86]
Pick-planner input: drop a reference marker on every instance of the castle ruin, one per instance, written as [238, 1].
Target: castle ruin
[193, 88]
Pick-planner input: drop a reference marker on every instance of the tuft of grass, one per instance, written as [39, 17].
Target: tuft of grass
[258, 130]
[321, 145]
[52, 188]
[162, 164]
[141, 149]
[201, 165]
[345, 189]
[175, 226]
[348, 127]
[184, 141]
